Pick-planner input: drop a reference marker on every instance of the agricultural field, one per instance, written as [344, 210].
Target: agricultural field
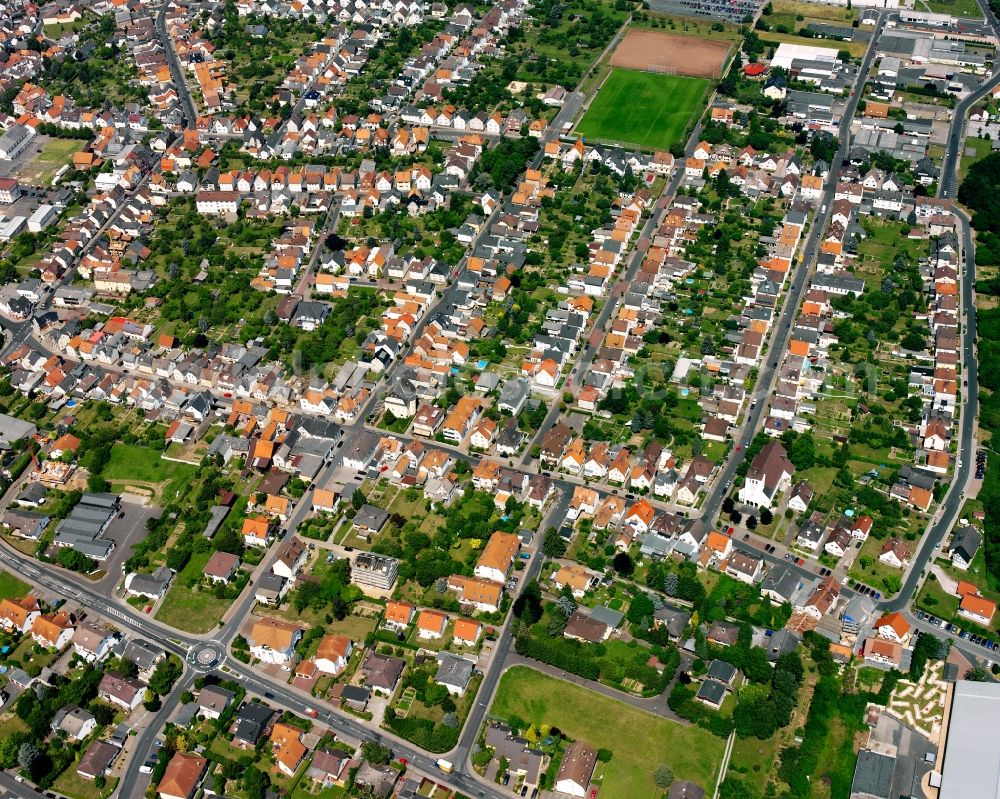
[643, 108]
[691, 752]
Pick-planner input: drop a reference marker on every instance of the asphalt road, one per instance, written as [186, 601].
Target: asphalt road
[176, 70]
[948, 184]
[283, 695]
[799, 285]
[968, 422]
[129, 785]
[969, 419]
[470, 732]
[21, 790]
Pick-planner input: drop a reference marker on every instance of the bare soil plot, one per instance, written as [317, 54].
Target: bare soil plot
[652, 51]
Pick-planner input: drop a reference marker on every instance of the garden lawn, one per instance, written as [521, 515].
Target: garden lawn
[691, 752]
[11, 587]
[71, 784]
[643, 108]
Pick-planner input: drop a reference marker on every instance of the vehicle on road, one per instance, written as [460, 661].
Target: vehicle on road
[444, 765]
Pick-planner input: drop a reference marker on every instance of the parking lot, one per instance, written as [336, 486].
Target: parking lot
[954, 630]
[126, 531]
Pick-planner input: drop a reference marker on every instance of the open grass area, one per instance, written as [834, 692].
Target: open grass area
[10, 725]
[980, 148]
[191, 609]
[691, 752]
[957, 8]
[307, 789]
[140, 466]
[689, 26]
[837, 14]
[11, 587]
[935, 600]
[643, 108]
[55, 154]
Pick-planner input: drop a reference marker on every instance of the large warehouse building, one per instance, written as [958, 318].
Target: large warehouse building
[971, 768]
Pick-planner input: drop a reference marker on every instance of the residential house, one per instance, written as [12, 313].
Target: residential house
[122, 691]
[893, 627]
[213, 701]
[180, 780]
[382, 672]
[770, 472]
[53, 630]
[498, 557]
[965, 542]
[576, 769]
[333, 653]
[431, 624]
[274, 640]
[895, 553]
[399, 615]
[18, 615]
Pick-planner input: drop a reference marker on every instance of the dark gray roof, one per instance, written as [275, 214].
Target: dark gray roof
[610, 617]
[454, 670]
[782, 642]
[674, 619]
[685, 789]
[721, 671]
[873, 775]
[251, 719]
[712, 691]
[371, 517]
[966, 542]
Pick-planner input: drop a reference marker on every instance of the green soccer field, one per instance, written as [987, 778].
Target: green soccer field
[643, 108]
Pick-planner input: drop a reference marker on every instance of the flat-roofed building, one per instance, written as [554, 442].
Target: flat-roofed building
[971, 768]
